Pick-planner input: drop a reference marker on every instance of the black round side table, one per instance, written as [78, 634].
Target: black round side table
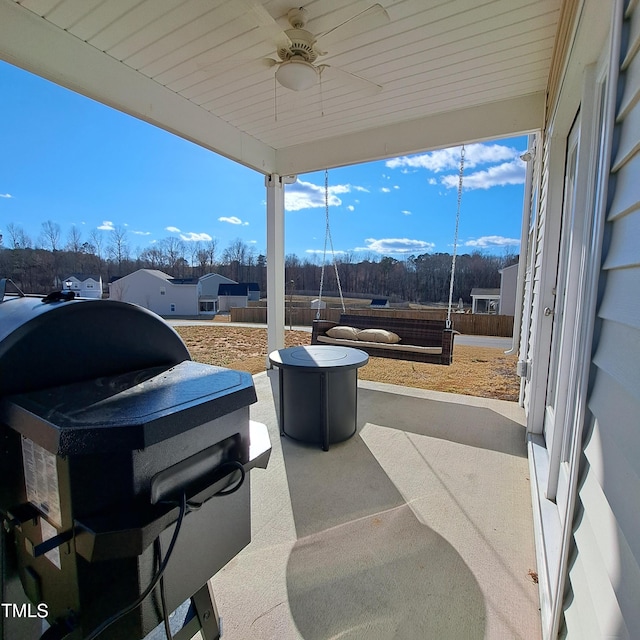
[318, 392]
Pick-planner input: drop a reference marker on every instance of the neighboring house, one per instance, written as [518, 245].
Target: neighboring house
[158, 292]
[253, 291]
[508, 284]
[83, 285]
[232, 295]
[208, 292]
[485, 300]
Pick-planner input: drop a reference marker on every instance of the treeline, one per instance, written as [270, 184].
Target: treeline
[421, 279]
[42, 266]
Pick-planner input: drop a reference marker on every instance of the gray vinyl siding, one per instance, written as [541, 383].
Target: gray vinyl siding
[603, 591]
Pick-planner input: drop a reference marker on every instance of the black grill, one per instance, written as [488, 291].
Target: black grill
[106, 424]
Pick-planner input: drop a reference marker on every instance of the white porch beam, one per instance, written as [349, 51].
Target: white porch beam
[275, 260]
[514, 116]
[34, 44]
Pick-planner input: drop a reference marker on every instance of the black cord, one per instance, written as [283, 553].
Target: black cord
[134, 605]
[237, 465]
[163, 597]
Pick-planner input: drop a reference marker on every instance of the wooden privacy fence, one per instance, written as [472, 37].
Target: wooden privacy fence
[470, 324]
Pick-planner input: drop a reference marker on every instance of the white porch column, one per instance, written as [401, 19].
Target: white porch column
[275, 259]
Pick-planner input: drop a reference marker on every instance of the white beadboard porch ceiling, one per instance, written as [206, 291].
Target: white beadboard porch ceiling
[451, 71]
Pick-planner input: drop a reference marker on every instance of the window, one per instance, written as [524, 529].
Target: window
[163, 291]
[173, 307]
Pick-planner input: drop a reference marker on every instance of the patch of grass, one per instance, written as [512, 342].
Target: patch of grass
[476, 371]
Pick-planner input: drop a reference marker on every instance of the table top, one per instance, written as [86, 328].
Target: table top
[318, 356]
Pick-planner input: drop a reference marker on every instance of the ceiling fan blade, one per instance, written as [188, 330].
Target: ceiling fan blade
[266, 21]
[368, 85]
[374, 16]
[223, 66]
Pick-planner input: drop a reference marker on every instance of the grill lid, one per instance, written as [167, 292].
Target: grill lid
[57, 343]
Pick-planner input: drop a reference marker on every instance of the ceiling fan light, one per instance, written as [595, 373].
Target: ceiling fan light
[297, 75]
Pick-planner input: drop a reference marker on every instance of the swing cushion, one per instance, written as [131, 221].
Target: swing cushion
[344, 333]
[378, 335]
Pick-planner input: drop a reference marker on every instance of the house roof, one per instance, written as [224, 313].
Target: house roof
[217, 275]
[435, 73]
[82, 277]
[183, 280]
[154, 272]
[477, 292]
[379, 302]
[232, 290]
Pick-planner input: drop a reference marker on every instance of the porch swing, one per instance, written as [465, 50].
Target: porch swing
[412, 339]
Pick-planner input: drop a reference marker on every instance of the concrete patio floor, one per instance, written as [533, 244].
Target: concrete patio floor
[419, 526]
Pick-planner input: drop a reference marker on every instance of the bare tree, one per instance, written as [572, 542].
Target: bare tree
[74, 240]
[118, 248]
[211, 248]
[17, 237]
[50, 236]
[235, 256]
[153, 257]
[97, 240]
[173, 250]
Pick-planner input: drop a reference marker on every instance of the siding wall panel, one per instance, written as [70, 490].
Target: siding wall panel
[625, 199]
[623, 249]
[610, 467]
[620, 303]
[608, 392]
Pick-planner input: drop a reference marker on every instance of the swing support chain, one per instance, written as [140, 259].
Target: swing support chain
[455, 237]
[329, 240]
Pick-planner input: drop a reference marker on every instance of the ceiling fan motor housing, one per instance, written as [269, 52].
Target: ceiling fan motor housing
[302, 45]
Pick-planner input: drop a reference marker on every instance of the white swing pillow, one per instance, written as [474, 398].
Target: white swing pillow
[379, 335]
[343, 333]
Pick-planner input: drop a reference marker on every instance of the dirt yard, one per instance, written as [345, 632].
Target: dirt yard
[476, 371]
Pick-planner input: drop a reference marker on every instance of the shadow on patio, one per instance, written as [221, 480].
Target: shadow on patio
[417, 527]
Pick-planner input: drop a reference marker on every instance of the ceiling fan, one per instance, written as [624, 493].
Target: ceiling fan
[298, 50]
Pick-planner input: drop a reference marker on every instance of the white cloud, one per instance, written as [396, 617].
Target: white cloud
[506, 173]
[5, 195]
[405, 212]
[195, 237]
[106, 225]
[306, 195]
[492, 241]
[432, 181]
[232, 220]
[396, 245]
[385, 190]
[321, 251]
[350, 207]
[172, 229]
[141, 233]
[447, 159]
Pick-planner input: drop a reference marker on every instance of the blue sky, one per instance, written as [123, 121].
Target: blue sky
[71, 160]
